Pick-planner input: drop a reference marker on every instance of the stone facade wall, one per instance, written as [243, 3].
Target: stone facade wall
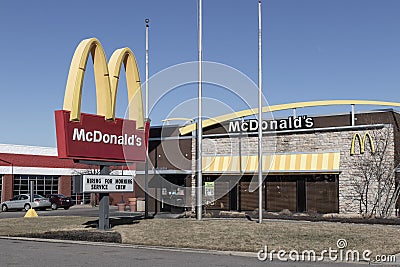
[307, 142]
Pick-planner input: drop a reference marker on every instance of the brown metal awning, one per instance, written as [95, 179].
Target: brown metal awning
[279, 163]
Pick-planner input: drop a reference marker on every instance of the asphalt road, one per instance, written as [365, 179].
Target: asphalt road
[32, 253]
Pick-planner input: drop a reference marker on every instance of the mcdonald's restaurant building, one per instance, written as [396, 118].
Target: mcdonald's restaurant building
[312, 167]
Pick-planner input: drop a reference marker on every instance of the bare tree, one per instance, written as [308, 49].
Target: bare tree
[376, 185]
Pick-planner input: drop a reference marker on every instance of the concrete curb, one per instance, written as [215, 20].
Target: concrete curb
[160, 248]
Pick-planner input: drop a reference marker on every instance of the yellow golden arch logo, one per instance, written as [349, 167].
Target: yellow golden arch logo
[106, 78]
[362, 143]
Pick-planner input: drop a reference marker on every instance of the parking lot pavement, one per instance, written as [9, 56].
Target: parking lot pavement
[79, 210]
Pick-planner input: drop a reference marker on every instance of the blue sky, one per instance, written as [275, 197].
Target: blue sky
[312, 50]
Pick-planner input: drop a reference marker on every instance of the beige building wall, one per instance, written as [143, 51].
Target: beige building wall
[324, 140]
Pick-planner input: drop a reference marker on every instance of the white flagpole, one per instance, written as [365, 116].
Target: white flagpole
[147, 67]
[260, 188]
[146, 175]
[200, 123]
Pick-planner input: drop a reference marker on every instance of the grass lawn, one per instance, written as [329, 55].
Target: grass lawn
[20, 226]
[237, 235]
[241, 235]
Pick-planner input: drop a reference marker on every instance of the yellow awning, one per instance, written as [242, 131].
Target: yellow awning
[303, 162]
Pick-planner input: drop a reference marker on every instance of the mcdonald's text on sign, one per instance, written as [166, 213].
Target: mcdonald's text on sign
[100, 137]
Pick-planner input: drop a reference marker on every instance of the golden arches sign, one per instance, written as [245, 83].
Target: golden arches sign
[106, 79]
[102, 137]
[362, 143]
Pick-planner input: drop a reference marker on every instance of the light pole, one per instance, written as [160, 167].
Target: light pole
[146, 168]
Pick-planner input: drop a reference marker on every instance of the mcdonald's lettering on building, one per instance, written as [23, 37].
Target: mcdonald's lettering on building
[101, 136]
[291, 123]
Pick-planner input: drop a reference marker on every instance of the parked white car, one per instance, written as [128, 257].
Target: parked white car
[23, 201]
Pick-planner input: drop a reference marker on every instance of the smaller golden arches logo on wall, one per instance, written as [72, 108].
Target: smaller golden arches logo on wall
[361, 141]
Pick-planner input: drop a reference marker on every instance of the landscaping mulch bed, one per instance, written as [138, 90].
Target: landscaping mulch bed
[79, 235]
[311, 218]
[345, 220]
[389, 221]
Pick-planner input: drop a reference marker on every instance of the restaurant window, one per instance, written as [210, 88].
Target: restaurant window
[43, 184]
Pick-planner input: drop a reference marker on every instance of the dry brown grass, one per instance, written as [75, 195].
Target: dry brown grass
[241, 235]
[228, 234]
[19, 226]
